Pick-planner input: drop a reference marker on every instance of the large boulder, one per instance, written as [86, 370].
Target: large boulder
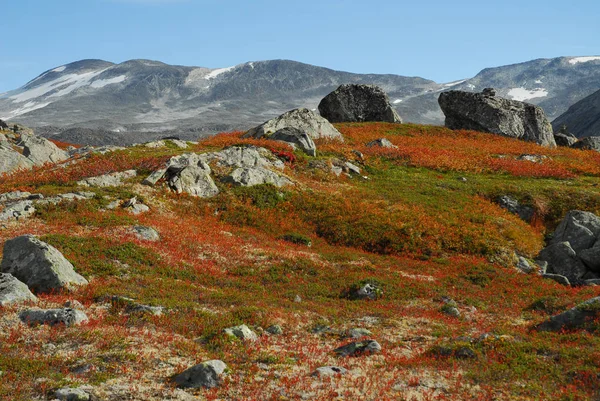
[52, 317]
[358, 103]
[487, 113]
[206, 374]
[251, 176]
[588, 143]
[303, 119]
[563, 260]
[40, 150]
[296, 138]
[108, 180]
[582, 316]
[39, 265]
[243, 156]
[13, 290]
[17, 211]
[11, 160]
[189, 174]
[579, 228]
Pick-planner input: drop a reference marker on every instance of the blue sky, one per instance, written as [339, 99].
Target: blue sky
[435, 39]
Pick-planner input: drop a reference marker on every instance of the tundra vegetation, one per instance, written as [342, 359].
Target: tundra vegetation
[420, 224]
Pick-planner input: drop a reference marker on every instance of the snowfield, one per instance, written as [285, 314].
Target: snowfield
[522, 94]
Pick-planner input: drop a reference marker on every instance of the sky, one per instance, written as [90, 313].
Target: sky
[435, 39]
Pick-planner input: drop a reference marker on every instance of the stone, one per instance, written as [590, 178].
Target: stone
[11, 160]
[52, 317]
[485, 113]
[17, 211]
[532, 158]
[242, 332]
[250, 176]
[381, 143]
[71, 394]
[328, 371]
[591, 257]
[558, 278]
[358, 333]
[108, 180]
[13, 290]
[588, 143]
[366, 347]
[138, 208]
[513, 206]
[563, 260]
[153, 178]
[358, 103]
[39, 265]
[243, 156]
[194, 180]
[566, 140]
[524, 265]
[206, 374]
[369, 291]
[303, 119]
[578, 227]
[155, 144]
[14, 196]
[275, 329]
[146, 233]
[351, 168]
[581, 316]
[133, 308]
[41, 151]
[296, 138]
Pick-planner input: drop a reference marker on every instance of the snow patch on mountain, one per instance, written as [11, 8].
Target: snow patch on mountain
[26, 108]
[449, 84]
[101, 83]
[522, 94]
[59, 69]
[397, 101]
[576, 60]
[215, 73]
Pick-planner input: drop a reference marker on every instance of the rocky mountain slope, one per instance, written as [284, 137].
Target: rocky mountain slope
[94, 101]
[583, 118]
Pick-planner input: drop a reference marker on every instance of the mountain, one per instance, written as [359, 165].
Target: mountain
[95, 101]
[583, 118]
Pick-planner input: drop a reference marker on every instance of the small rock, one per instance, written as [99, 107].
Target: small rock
[207, 374]
[153, 178]
[297, 298]
[558, 278]
[17, 211]
[296, 138]
[328, 371]
[71, 394]
[52, 317]
[382, 143]
[367, 291]
[352, 168]
[366, 347]
[242, 332]
[275, 330]
[146, 233]
[108, 180]
[13, 290]
[358, 333]
[138, 208]
[524, 265]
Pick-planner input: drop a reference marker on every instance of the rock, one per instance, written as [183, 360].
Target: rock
[138, 208]
[450, 310]
[41, 151]
[588, 143]
[358, 154]
[566, 140]
[366, 347]
[179, 143]
[328, 371]
[591, 257]
[108, 180]
[242, 332]
[358, 103]
[153, 178]
[52, 317]
[513, 206]
[146, 233]
[71, 394]
[250, 176]
[532, 158]
[68, 197]
[243, 156]
[581, 316]
[351, 168]
[381, 143]
[3, 125]
[303, 119]
[13, 290]
[155, 144]
[366, 291]
[485, 113]
[207, 374]
[133, 308]
[14, 196]
[296, 138]
[558, 278]
[563, 260]
[39, 265]
[580, 228]
[17, 211]
[190, 174]
[358, 333]
[524, 265]
[11, 160]
[592, 281]
[275, 330]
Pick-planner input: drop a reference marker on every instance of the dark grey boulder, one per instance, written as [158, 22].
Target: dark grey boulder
[358, 103]
[563, 260]
[13, 290]
[366, 347]
[297, 138]
[565, 140]
[513, 206]
[591, 257]
[581, 316]
[578, 227]
[588, 143]
[303, 119]
[52, 317]
[496, 115]
[206, 374]
[558, 278]
[39, 265]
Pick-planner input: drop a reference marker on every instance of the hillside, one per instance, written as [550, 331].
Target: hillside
[583, 118]
[420, 223]
[98, 102]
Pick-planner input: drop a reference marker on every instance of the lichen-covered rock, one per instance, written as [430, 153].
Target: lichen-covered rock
[328, 371]
[296, 138]
[71, 394]
[13, 290]
[40, 150]
[358, 103]
[381, 143]
[582, 316]
[566, 140]
[487, 113]
[11, 160]
[146, 233]
[190, 174]
[250, 176]
[17, 211]
[108, 180]
[52, 317]
[366, 347]
[39, 265]
[242, 332]
[243, 156]
[206, 374]
[303, 119]
[581, 229]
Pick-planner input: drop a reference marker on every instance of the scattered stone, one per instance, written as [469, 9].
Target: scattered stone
[138, 208]
[155, 144]
[13, 290]
[52, 317]
[366, 347]
[242, 332]
[207, 374]
[328, 371]
[381, 143]
[370, 291]
[581, 316]
[303, 119]
[563, 139]
[179, 143]
[71, 394]
[322, 329]
[351, 168]
[486, 113]
[358, 333]
[558, 278]
[275, 330]
[14, 196]
[296, 138]
[250, 176]
[532, 158]
[133, 308]
[153, 178]
[513, 206]
[39, 265]
[297, 298]
[563, 260]
[17, 211]
[108, 180]
[146, 233]
[77, 196]
[588, 143]
[358, 154]
[450, 310]
[358, 103]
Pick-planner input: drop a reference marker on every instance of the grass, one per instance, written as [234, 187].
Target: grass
[414, 227]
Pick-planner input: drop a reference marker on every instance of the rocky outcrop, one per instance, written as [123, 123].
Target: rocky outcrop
[39, 265]
[296, 138]
[17, 210]
[242, 332]
[588, 143]
[581, 316]
[513, 206]
[358, 103]
[108, 180]
[41, 151]
[192, 178]
[487, 113]
[564, 139]
[582, 118]
[250, 176]
[206, 374]
[13, 290]
[305, 120]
